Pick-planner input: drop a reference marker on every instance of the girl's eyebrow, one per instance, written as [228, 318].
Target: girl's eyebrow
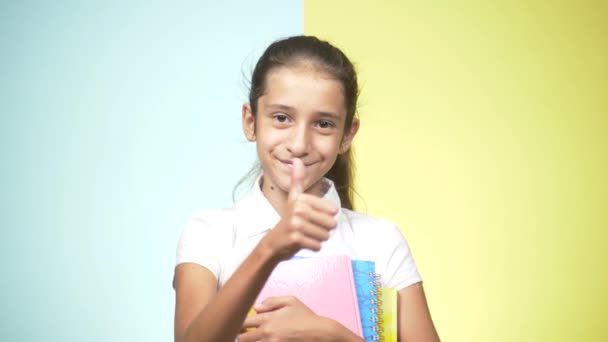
[276, 106]
[329, 115]
[285, 108]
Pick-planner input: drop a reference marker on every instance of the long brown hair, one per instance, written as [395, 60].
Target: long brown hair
[330, 60]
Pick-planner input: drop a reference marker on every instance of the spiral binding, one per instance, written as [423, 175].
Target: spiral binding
[377, 317]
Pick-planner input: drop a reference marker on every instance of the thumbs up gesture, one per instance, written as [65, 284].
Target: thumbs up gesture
[306, 222]
[298, 174]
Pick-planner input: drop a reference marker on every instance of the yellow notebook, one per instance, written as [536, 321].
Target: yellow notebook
[389, 315]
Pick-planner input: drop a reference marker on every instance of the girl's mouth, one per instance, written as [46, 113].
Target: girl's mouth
[289, 163]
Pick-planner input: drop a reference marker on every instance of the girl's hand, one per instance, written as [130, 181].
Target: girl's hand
[285, 319]
[306, 222]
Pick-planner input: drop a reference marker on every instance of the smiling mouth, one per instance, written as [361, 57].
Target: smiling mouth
[289, 163]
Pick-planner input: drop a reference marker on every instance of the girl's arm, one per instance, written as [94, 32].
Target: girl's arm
[287, 318]
[201, 314]
[415, 323]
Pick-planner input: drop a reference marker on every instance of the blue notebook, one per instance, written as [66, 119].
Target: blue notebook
[366, 286]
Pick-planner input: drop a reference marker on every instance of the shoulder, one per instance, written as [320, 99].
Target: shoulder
[370, 236]
[210, 225]
[207, 235]
[366, 225]
[216, 216]
[382, 241]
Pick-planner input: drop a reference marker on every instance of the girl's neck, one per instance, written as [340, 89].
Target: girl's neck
[274, 195]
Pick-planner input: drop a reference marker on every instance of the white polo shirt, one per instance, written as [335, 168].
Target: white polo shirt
[221, 239]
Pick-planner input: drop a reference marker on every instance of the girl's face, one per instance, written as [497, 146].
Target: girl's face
[300, 115]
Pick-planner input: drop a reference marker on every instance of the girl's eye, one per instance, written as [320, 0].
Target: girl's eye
[325, 124]
[281, 118]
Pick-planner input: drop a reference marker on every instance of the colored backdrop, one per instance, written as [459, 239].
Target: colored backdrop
[484, 135]
[119, 120]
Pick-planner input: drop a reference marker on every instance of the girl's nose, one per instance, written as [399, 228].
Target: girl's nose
[299, 141]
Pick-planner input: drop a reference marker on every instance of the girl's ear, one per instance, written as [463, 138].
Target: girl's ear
[248, 122]
[349, 136]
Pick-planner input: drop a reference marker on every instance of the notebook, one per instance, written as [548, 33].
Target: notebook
[366, 284]
[389, 314]
[325, 284]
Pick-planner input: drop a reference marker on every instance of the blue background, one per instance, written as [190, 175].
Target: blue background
[119, 120]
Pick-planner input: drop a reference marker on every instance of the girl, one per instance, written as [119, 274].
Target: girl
[301, 115]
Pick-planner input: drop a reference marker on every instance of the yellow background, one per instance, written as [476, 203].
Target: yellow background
[484, 135]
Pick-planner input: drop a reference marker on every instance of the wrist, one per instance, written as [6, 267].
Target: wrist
[273, 250]
[266, 253]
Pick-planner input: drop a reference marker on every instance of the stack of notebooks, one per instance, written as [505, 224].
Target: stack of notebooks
[348, 291]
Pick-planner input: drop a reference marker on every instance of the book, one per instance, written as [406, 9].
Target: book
[325, 284]
[389, 314]
[367, 285]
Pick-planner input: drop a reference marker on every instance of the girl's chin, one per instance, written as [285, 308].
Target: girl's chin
[281, 184]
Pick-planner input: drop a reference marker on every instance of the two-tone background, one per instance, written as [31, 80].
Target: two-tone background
[484, 135]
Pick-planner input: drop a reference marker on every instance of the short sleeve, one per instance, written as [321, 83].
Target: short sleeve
[399, 269]
[201, 243]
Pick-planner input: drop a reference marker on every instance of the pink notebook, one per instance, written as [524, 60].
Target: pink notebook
[324, 284]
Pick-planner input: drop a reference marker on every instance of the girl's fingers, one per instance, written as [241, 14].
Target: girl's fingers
[274, 303]
[321, 204]
[254, 321]
[318, 203]
[323, 220]
[304, 241]
[313, 231]
[252, 335]
[304, 211]
[310, 220]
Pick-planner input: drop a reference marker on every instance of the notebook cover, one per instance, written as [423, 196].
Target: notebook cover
[389, 314]
[324, 284]
[365, 283]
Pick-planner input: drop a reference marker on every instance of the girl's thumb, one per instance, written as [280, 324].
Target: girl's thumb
[297, 178]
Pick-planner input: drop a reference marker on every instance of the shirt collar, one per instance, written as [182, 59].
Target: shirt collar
[255, 214]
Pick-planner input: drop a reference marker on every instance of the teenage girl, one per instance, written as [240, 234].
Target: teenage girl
[301, 115]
